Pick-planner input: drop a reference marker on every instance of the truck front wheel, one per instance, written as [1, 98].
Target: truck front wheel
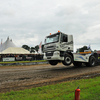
[67, 60]
[53, 62]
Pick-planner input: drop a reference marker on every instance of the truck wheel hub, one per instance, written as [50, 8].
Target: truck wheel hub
[68, 60]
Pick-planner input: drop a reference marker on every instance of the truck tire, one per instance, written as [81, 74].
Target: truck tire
[92, 62]
[53, 62]
[77, 64]
[67, 60]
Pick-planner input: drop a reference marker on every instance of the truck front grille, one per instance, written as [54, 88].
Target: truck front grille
[49, 53]
[49, 48]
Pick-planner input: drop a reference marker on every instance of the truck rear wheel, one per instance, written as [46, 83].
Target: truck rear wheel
[67, 60]
[53, 62]
[92, 62]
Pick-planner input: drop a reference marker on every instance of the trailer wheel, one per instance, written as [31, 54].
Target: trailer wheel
[77, 64]
[53, 62]
[92, 62]
[67, 60]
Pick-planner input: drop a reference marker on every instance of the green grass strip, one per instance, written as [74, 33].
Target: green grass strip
[22, 61]
[90, 90]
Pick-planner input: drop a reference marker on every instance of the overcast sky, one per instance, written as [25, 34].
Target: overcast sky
[29, 21]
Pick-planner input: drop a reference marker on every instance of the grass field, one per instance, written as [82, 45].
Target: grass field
[90, 90]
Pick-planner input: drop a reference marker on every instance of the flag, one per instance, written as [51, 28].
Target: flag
[39, 51]
[89, 47]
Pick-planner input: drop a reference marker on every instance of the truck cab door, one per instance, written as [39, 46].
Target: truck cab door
[63, 41]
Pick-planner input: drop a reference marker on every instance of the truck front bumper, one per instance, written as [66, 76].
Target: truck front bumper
[55, 56]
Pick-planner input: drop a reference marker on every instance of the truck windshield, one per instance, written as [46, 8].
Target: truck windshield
[52, 38]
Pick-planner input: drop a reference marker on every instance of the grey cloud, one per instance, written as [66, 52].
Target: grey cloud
[66, 10]
[7, 13]
[30, 19]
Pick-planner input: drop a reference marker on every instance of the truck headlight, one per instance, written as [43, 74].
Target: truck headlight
[57, 53]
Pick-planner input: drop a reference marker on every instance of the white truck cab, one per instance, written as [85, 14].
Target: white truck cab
[57, 46]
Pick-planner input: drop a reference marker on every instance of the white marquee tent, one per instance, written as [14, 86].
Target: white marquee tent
[8, 47]
[15, 50]
[8, 43]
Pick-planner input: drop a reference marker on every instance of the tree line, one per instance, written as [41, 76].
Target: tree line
[32, 49]
[36, 48]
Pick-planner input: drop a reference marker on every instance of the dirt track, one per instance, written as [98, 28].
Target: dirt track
[22, 77]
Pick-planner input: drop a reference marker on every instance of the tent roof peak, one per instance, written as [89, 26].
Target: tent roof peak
[8, 38]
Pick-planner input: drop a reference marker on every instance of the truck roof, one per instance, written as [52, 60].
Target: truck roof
[56, 33]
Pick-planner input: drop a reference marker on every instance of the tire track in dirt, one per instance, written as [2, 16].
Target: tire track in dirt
[20, 78]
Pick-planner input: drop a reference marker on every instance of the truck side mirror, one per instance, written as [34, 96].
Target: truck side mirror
[44, 40]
